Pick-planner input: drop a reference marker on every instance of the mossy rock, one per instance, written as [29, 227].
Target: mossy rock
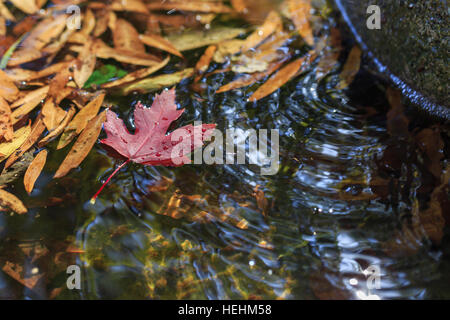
[411, 47]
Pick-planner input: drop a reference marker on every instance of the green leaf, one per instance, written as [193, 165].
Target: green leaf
[105, 74]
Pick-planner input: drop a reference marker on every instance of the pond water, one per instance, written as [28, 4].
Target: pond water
[350, 204]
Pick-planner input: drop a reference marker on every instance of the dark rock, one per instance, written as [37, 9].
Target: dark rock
[411, 47]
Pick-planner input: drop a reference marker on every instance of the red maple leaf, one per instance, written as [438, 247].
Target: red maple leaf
[150, 144]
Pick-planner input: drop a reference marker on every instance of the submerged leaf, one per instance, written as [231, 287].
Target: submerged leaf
[10, 201]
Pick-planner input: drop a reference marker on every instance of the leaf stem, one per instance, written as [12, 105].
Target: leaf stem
[107, 180]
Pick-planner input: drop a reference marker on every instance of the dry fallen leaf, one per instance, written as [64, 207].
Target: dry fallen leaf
[27, 6]
[52, 135]
[82, 146]
[34, 170]
[10, 201]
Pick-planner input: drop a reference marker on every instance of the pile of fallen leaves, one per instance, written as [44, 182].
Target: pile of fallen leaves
[54, 78]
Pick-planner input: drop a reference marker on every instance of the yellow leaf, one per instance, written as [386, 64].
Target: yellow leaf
[7, 148]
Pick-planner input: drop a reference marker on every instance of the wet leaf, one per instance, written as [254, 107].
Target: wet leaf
[126, 37]
[300, 13]
[12, 173]
[199, 38]
[27, 6]
[10, 201]
[150, 144]
[34, 170]
[82, 146]
[351, 68]
[7, 148]
[104, 75]
[251, 78]
[86, 64]
[37, 129]
[156, 41]
[8, 89]
[52, 135]
[281, 77]
[156, 83]
[26, 104]
[6, 129]
[136, 75]
[80, 121]
[271, 24]
[192, 5]
[204, 61]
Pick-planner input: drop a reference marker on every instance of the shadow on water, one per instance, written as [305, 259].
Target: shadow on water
[343, 206]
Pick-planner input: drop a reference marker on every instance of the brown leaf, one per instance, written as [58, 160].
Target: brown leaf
[126, 37]
[239, 6]
[53, 115]
[271, 24]
[196, 6]
[26, 104]
[156, 41]
[6, 129]
[350, 68]
[129, 5]
[251, 78]
[8, 89]
[330, 55]
[281, 77]
[86, 65]
[57, 131]
[136, 75]
[34, 170]
[80, 121]
[82, 146]
[37, 129]
[4, 11]
[7, 148]
[123, 55]
[204, 61]
[27, 6]
[300, 13]
[8, 200]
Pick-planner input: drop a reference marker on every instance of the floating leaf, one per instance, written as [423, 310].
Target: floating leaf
[80, 121]
[6, 129]
[150, 144]
[37, 129]
[34, 170]
[156, 83]
[200, 38]
[192, 5]
[156, 41]
[280, 78]
[82, 146]
[136, 75]
[300, 13]
[104, 75]
[6, 148]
